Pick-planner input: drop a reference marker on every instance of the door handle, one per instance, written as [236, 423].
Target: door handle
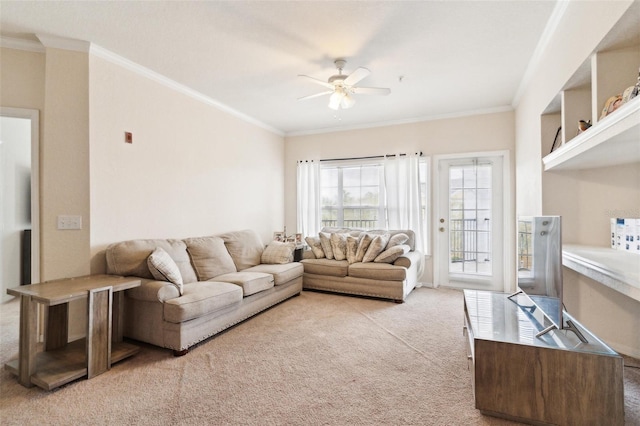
[441, 229]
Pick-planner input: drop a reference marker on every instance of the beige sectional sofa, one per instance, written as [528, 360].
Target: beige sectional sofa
[197, 287]
[390, 277]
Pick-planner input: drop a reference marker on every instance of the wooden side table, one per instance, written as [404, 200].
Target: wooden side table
[61, 362]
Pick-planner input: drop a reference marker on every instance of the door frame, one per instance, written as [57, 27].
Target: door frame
[508, 212]
[34, 116]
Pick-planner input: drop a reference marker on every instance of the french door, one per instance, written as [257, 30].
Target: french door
[469, 223]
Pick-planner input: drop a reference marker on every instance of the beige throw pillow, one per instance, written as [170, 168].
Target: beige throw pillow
[376, 247]
[363, 246]
[352, 248]
[391, 254]
[316, 246]
[339, 245]
[278, 253]
[209, 257]
[164, 268]
[325, 240]
[397, 240]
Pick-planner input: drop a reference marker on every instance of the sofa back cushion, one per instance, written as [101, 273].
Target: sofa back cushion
[129, 258]
[209, 257]
[245, 248]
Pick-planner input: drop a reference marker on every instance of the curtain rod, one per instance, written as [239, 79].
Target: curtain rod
[363, 158]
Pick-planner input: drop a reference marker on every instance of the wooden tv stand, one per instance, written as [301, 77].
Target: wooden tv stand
[552, 379]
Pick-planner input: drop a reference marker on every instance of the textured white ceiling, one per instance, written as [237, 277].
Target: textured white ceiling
[456, 57]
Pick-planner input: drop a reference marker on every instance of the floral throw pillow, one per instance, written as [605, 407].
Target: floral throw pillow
[363, 246]
[316, 246]
[390, 255]
[352, 248]
[339, 245]
[376, 247]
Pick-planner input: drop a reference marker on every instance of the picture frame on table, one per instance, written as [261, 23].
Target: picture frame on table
[278, 236]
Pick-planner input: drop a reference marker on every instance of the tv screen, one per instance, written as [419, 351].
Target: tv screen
[540, 264]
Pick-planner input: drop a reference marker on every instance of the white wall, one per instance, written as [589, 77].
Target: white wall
[15, 191]
[192, 169]
[585, 199]
[486, 132]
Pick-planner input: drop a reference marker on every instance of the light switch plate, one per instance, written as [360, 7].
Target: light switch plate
[69, 222]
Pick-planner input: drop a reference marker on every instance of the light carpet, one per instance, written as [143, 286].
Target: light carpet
[317, 359]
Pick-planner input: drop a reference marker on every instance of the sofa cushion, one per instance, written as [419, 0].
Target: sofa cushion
[378, 271]
[163, 268]
[278, 252]
[335, 268]
[244, 247]
[376, 247]
[201, 298]
[391, 254]
[251, 282]
[363, 246]
[352, 248]
[129, 258]
[338, 245]
[316, 246]
[325, 240]
[397, 239]
[210, 257]
[281, 273]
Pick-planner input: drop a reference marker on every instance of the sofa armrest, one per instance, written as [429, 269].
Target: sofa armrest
[154, 291]
[409, 259]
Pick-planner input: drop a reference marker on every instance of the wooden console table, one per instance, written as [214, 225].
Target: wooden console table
[554, 379]
[61, 362]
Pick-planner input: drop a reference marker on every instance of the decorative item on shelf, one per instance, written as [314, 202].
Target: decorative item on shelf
[583, 125]
[631, 91]
[555, 140]
[612, 104]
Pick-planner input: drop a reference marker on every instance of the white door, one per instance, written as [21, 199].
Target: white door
[469, 223]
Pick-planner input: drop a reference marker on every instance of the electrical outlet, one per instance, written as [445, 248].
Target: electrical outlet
[69, 222]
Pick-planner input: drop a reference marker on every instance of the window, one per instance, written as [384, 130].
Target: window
[352, 196]
[384, 193]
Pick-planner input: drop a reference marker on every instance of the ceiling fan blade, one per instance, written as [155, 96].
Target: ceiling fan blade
[328, 92]
[371, 90]
[320, 82]
[356, 76]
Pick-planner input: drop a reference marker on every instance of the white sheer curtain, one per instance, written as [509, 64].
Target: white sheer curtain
[402, 191]
[308, 197]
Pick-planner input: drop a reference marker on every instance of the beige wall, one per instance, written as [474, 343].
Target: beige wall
[486, 132]
[192, 169]
[64, 164]
[585, 199]
[22, 76]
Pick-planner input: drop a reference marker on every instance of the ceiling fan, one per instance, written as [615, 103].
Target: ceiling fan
[342, 87]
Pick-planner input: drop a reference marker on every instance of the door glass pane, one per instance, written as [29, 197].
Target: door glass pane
[470, 195]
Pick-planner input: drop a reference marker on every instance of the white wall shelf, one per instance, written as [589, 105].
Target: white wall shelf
[618, 270]
[613, 140]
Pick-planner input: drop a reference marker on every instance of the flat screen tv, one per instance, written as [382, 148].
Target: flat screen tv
[540, 268]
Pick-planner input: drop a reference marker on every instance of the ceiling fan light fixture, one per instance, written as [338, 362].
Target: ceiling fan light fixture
[335, 99]
[347, 101]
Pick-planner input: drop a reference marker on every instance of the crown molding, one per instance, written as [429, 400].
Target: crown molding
[534, 63]
[21, 44]
[56, 42]
[495, 110]
[174, 85]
